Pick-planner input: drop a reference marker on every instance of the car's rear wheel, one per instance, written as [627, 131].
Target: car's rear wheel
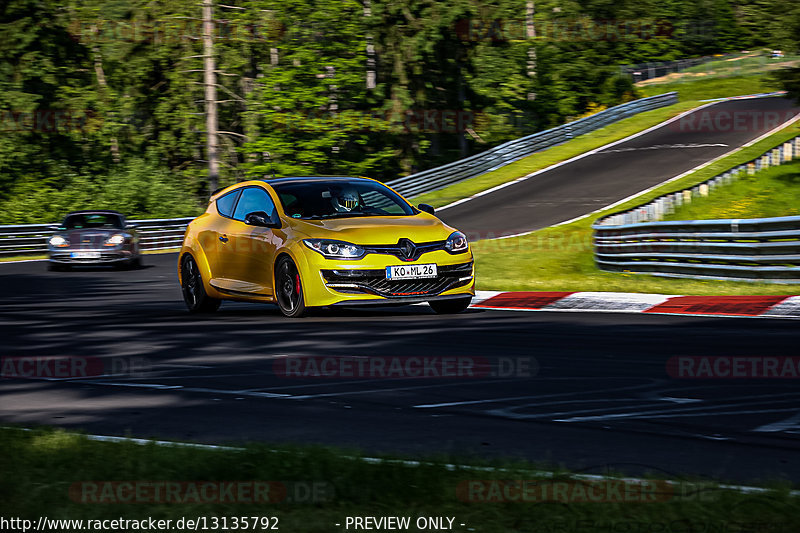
[289, 288]
[194, 292]
[449, 307]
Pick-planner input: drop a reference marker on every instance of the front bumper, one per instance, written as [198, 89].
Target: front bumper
[363, 282]
[83, 256]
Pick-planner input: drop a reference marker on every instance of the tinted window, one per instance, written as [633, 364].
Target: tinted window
[226, 203]
[339, 198]
[254, 199]
[93, 220]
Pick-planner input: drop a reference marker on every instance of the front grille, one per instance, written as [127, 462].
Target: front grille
[375, 282]
[399, 251]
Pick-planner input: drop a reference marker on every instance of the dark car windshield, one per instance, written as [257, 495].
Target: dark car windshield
[339, 199]
[93, 220]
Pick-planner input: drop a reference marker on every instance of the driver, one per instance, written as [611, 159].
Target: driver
[345, 200]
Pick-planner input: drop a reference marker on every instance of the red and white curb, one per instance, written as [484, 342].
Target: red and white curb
[624, 302]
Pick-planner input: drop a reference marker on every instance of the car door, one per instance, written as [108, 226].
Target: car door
[253, 246]
[215, 239]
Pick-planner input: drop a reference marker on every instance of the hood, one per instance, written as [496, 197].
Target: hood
[376, 230]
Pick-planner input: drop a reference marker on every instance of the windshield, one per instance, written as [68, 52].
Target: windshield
[93, 220]
[339, 199]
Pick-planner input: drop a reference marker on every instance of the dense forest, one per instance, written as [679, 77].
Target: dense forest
[103, 103]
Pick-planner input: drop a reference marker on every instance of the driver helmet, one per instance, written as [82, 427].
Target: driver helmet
[346, 200]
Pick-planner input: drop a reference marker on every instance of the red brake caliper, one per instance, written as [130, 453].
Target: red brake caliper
[297, 283]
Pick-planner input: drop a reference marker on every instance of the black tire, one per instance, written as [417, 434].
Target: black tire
[289, 289]
[57, 267]
[194, 292]
[450, 307]
[136, 263]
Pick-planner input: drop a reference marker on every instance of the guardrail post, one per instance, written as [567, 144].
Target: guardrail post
[751, 168]
[687, 196]
[702, 189]
[796, 142]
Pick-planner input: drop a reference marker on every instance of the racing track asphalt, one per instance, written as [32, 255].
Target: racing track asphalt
[607, 176]
[598, 395]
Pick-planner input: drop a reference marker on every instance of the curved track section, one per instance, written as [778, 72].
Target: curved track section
[609, 175]
[589, 391]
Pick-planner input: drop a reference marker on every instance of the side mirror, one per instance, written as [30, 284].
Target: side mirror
[260, 218]
[427, 208]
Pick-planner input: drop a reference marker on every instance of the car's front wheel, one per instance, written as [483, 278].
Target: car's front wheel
[449, 307]
[289, 288]
[194, 292]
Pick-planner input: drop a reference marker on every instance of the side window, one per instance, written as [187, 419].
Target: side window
[226, 203]
[254, 199]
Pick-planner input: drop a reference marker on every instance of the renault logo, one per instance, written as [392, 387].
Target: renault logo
[407, 249]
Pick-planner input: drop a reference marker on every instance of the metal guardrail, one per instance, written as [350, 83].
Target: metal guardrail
[742, 249]
[499, 156]
[154, 234]
[168, 233]
[657, 69]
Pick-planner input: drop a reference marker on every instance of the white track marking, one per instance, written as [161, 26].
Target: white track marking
[743, 489]
[608, 301]
[783, 425]
[788, 308]
[180, 388]
[664, 147]
[22, 261]
[706, 410]
[529, 397]
[396, 389]
[723, 403]
[576, 158]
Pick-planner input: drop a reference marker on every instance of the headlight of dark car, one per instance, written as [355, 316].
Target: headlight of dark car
[58, 241]
[115, 240]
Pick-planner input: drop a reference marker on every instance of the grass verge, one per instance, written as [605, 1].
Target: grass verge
[709, 88]
[773, 192]
[63, 476]
[561, 258]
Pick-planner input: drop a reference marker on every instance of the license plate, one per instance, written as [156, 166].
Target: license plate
[86, 255]
[411, 271]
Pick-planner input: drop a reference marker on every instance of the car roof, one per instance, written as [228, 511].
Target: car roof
[306, 179]
[95, 212]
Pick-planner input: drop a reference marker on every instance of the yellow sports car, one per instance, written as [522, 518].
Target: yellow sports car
[322, 241]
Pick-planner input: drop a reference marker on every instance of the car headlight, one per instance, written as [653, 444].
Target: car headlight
[456, 243]
[335, 249]
[58, 240]
[115, 239]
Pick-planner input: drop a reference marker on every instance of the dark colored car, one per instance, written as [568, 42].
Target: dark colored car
[94, 238]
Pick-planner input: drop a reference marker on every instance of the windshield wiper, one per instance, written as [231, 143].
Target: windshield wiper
[340, 215]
